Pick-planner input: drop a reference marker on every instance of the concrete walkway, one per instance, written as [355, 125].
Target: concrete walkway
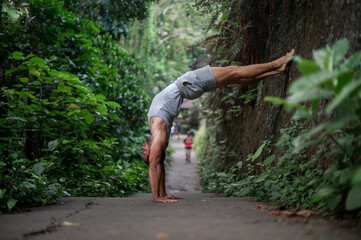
[198, 216]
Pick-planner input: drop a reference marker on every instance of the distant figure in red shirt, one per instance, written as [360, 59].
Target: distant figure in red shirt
[188, 145]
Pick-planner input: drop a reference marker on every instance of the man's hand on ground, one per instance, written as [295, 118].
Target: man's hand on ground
[172, 197]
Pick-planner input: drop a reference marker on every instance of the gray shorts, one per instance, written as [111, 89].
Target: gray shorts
[193, 84]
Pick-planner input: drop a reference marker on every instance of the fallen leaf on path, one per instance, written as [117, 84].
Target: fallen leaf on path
[203, 200]
[260, 207]
[305, 213]
[279, 220]
[235, 207]
[162, 235]
[288, 213]
[276, 213]
[69, 224]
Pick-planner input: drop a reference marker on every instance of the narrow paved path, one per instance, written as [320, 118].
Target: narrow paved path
[198, 216]
[182, 176]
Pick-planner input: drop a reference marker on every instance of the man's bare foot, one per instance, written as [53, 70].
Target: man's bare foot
[281, 63]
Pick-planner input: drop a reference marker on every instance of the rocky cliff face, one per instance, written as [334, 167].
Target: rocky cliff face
[276, 27]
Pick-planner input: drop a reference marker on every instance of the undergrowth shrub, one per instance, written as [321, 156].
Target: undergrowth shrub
[337, 80]
[72, 116]
[281, 178]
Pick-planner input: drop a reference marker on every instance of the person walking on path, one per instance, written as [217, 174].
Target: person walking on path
[166, 106]
[188, 146]
[179, 129]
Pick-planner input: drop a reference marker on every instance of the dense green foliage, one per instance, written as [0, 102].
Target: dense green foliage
[72, 108]
[226, 27]
[290, 175]
[279, 178]
[114, 16]
[328, 78]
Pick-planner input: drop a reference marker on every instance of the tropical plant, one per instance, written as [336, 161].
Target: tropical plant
[331, 79]
[292, 175]
[72, 116]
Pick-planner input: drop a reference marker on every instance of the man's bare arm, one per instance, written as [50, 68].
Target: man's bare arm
[162, 180]
[155, 170]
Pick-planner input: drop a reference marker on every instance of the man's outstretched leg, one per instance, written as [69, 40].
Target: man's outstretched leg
[252, 73]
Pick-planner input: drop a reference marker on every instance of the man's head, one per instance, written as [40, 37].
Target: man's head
[146, 150]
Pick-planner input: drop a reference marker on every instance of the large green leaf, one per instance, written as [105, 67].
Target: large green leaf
[323, 192]
[340, 49]
[321, 57]
[113, 104]
[356, 179]
[102, 109]
[262, 177]
[243, 191]
[302, 113]
[11, 203]
[10, 71]
[100, 97]
[335, 201]
[306, 66]
[352, 61]
[304, 96]
[64, 88]
[24, 80]
[288, 106]
[353, 200]
[84, 88]
[342, 81]
[38, 61]
[258, 152]
[114, 116]
[88, 116]
[269, 160]
[316, 79]
[53, 144]
[39, 168]
[348, 90]
[18, 55]
[2, 193]
[346, 176]
[275, 100]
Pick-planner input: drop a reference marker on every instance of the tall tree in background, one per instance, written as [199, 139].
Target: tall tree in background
[114, 15]
[166, 41]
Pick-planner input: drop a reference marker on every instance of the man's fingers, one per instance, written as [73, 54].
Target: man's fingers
[163, 200]
[172, 197]
[175, 197]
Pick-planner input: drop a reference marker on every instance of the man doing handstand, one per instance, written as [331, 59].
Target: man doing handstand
[166, 106]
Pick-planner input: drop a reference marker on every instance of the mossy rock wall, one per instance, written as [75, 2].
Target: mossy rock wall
[277, 27]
